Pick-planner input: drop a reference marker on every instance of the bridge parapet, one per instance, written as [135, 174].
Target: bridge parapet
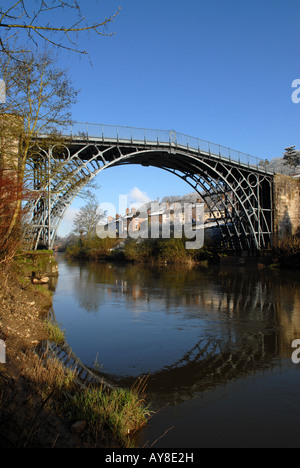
[122, 134]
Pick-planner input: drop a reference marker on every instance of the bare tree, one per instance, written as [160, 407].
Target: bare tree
[25, 21]
[85, 222]
[38, 99]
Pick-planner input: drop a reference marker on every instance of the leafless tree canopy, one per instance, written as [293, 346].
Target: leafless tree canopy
[38, 91]
[30, 22]
[39, 98]
[85, 222]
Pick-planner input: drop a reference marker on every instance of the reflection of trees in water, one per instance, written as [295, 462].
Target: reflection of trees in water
[287, 296]
[259, 311]
[88, 295]
[256, 295]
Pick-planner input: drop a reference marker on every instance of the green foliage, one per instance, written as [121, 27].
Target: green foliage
[159, 250]
[172, 250]
[122, 410]
[54, 332]
[142, 250]
[139, 250]
[76, 251]
[203, 254]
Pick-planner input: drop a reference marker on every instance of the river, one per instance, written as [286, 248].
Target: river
[216, 343]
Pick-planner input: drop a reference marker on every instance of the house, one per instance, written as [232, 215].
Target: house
[157, 214]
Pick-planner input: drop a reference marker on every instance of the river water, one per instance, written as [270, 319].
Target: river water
[216, 343]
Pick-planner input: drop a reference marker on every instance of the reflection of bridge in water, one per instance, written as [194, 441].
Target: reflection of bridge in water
[235, 351]
[210, 363]
[213, 363]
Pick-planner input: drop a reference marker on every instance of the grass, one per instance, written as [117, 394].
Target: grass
[53, 374]
[54, 331]
[123, 411]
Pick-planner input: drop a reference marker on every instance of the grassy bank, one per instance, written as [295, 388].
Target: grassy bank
[40, 400]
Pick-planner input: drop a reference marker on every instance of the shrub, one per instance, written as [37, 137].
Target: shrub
[91, 248]
[171, 250]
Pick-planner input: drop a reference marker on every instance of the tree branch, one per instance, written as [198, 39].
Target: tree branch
[10, 21]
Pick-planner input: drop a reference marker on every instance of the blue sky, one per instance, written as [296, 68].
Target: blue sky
[220, 70]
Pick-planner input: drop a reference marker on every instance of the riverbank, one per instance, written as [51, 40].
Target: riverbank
[172, 251]
[41, 405]
[147, 251]
[26, 419]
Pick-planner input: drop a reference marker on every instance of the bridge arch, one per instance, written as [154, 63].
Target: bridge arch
[244, 190]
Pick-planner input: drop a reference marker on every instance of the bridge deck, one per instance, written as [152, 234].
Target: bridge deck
[81, 133]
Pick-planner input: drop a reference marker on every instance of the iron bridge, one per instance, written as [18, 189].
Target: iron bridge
[232, 180]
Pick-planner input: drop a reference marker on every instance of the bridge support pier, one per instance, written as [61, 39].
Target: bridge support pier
[286, 195]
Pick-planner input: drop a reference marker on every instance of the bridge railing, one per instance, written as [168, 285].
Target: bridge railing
[162, 137]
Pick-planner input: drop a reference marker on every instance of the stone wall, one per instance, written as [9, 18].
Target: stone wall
[286, 195]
